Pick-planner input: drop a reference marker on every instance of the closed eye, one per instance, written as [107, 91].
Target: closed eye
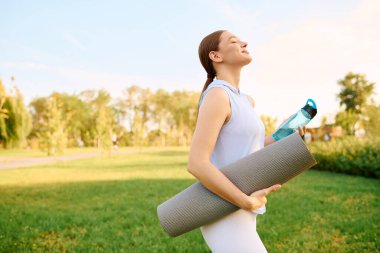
[235, 40]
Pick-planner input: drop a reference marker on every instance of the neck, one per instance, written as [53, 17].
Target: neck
[230, 75]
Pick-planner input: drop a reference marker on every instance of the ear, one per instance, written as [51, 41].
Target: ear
[215, 56]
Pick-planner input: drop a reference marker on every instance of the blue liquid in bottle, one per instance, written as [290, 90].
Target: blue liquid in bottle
[301, 118]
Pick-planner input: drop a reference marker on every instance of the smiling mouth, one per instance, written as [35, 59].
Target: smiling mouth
[245, 52]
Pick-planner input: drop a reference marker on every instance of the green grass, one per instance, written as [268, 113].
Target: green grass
[109, 205]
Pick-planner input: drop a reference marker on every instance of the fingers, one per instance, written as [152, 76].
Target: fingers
[276, 187]
[266, 191]
[301, 130]
[272, 189]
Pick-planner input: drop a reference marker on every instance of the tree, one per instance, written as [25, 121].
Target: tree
[347, 120]
[130, 100]
[104, 129]
[355, 92]
[372, 120]
[103, 120]
[145, 114]
[3, 114]
[323, 121]
[138, 110]
[53, 133]
[79, 117]
[3, 96]
[355, 96]
[269, 123]
[15, 120]
[23, 119]
[183, 109]
[160, 113]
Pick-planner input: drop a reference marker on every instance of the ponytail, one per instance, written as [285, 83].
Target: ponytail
[208, 44]
[209, 80]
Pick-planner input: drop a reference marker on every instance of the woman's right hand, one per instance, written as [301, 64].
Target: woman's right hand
[258, 198]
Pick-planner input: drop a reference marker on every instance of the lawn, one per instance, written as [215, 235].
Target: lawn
[109, 205]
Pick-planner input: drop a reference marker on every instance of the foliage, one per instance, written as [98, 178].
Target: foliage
[355, 96]
[15, 119]
[269, 123]
[349, 155]
[53, 132]
[355, 92]
[3, 97]
[347, 120]
[372, 121]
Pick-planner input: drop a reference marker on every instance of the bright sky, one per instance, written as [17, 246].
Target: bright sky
[299, 48]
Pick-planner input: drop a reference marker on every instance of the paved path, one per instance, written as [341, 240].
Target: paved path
[11, 163]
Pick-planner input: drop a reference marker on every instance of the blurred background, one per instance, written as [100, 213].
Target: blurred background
[139, 63]
[107, 92]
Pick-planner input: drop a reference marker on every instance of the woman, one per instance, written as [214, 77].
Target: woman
[228, 129]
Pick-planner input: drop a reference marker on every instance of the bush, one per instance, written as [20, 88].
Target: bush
[348, 155]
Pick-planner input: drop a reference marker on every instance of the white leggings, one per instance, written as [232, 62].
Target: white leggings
[234, 233]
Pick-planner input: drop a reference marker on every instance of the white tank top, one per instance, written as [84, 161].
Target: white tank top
[242, 135]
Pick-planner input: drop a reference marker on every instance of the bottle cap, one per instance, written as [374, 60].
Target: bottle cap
[310, 107]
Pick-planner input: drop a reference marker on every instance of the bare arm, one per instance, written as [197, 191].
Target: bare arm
[269, 140]
[212, 114]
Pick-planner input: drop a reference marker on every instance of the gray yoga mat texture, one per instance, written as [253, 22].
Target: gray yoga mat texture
[196, 206]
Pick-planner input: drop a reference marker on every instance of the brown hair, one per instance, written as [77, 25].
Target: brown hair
[208, 44]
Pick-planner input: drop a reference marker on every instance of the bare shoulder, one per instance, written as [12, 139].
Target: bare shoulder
[212, 115]
[217, 94]
[251, 100]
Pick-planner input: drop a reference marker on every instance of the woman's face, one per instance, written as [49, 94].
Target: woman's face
[232, 50]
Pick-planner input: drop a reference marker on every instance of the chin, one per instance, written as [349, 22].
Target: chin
[247, 60]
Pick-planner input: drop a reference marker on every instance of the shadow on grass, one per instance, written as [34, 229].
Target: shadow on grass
[107, 216]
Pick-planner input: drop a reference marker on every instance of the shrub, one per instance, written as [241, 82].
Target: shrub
[348, 155]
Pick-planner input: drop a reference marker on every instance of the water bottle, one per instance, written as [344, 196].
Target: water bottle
[301, 118]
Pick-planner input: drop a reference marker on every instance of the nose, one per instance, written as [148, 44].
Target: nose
[244, 44]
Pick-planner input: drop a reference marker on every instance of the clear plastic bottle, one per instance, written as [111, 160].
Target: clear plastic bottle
[301, 118]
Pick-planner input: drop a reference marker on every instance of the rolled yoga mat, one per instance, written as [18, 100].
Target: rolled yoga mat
[274, 164]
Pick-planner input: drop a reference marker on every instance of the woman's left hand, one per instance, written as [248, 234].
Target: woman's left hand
[301, 131]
